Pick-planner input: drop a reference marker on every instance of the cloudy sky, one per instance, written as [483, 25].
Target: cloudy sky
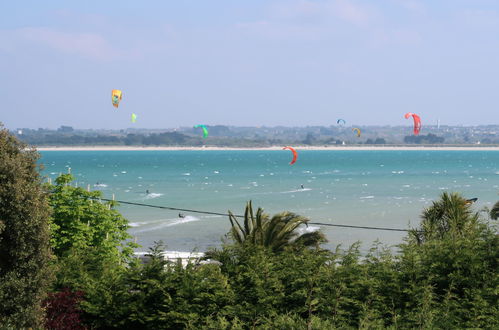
[253, 62]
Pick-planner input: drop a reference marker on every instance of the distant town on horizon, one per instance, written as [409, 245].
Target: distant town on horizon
[262, 136]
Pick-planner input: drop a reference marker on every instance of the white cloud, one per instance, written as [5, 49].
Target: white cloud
[89, 45]
[415, 6]
[353, 13]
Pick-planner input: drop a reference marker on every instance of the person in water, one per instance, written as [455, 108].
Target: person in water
[147, 191]
[302, 187]
[181, 215]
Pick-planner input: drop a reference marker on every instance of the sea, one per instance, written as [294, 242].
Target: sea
[364, 188]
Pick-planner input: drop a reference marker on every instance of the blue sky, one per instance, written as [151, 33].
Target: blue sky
[291, 63]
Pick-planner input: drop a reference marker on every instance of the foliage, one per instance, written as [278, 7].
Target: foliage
[24, 236]
[424, 139]
[63, 311]
[494, 213]
[450, 215]
[80, 221]
[158, 295]
[446, 279]
[276, 233]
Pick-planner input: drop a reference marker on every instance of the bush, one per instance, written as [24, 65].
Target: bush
[24, 236]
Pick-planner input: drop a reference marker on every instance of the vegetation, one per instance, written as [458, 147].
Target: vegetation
[447, 277]
[494, 213]
[276, 233]
[24, 236]
[424, 139]
[80, 221]
[230, 136]
[443, 276]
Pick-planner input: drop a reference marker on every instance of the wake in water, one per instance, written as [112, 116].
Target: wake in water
[173, 222]
[152, 195]
[296, 190]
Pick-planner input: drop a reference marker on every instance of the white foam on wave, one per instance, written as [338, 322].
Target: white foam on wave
[216, 172]
[309, 229]
[123, 172]
[187, 219]
[398, 172]
[172, 222]
[187, 173]
[367, 197]
[153, 195]
[100, 185]
[135, 224]
[296, 190]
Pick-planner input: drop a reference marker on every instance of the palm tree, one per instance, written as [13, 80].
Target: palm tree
[450, 214]
[494, 213]
[277, 233]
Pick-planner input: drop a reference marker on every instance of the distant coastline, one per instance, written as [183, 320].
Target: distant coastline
[138, 148]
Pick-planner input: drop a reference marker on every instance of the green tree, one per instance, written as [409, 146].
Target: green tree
[81, 222]
[276, 233]
[451, 214]
[494, 213]
[24, 235]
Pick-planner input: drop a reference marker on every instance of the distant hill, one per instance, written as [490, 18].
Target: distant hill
[233, 136]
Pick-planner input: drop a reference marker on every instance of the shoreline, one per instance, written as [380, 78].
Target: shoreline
[335, 148]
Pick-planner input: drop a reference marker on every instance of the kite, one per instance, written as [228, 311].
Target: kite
[417, 122]
[134, 118]
[355, 129]
[205, 130]
[341, 121]
[116, 97]
[295, 154]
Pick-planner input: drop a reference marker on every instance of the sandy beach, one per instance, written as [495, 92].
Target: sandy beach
[138, 148]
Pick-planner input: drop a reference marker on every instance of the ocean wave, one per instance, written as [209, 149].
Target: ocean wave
[296, 190]
[187, 219]
[136, 224]
[103, 185]
[308, 229]
[153, 195]
[175, 222]
[367, 197]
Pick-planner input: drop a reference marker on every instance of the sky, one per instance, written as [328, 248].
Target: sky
[248, 63]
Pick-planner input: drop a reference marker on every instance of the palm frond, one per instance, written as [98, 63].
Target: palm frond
[494, 213]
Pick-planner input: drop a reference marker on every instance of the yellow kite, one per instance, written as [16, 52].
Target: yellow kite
[116, 97]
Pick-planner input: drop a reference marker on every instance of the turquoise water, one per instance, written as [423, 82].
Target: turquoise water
[365, 188]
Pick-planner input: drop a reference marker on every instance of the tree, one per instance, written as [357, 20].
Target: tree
[80, 221]
[277, 233]
[24, 235]
[494, 213]
[451, 214]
